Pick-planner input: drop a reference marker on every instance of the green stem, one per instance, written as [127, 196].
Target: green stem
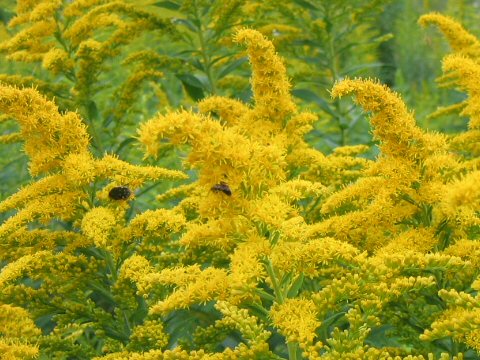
[90, 121]
[292, 351]
[334, 70]
[111, 265]
[276, 287]
[280, 299]
[204, 53]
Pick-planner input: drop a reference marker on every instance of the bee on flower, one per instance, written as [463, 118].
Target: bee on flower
[120, 193]
[223, 187]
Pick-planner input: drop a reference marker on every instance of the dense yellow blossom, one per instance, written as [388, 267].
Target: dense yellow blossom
[18, 334]
[460, 39]
[195, 286]
[50, 136]
[99, 225]
[393, 125]
[270, 249]
[296, 319]
[269, 81]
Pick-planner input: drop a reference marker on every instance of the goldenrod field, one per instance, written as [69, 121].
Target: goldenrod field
[239, 179]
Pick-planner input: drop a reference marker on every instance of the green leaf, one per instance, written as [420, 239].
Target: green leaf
[227, 69]
[187, 23]
[264, 295]
[92, 111]
[306, 4]
[285, 282]
[123, 144]
[361, 67]
[140, 313]
[258, 310]
[170, 5]
[191, 80]
[309, 95]
[295, 287]
[193, 86]
[379, 338]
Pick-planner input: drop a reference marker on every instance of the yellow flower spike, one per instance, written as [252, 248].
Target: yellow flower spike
[214, 233]
[280, 33]
[252, 331]
[24, 242]
[127, 92]
[104, 15]
[459, 323]
[460, 40]
[467, 77]
[27, 45]
[99, 224]
[47, 185]
[19, 334]
[297, 189]
[467, 250]
[271, 210]
[363, 190]
[160, 222]
[445, 110]
[225, 13]
[393, 125]
[124, 173]
[231, 111]
[43, 209]
[151, 334]
[299, 125]
[10, 138]
[82, 30]
[16, 322]
[419, 239]
[76, 8]
[297, 320]
[270, 85]
[79, 169]
[172, 126]
[194, 286]
[57, 61]
[461, 200]
[45, 10]
[310, 257]
[49, 136]
[246, 269]
[350, 150]
[15, 269]
[134, 269]
[177, 192]
[222, 154]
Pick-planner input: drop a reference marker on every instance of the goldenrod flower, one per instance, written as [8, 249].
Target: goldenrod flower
[99, 225]
[460, 40]
[297, 320]
[269, 81]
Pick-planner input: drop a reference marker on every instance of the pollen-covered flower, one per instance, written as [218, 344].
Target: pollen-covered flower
[460, 39]
[99, 225]
[57, 60]
[269, 81]
[19, 333]
[297, 320]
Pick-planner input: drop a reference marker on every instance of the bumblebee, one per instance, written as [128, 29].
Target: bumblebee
[223, 187]
[120, 193]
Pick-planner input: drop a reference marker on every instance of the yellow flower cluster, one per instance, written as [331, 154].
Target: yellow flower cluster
[16, 324]
[273, 249]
